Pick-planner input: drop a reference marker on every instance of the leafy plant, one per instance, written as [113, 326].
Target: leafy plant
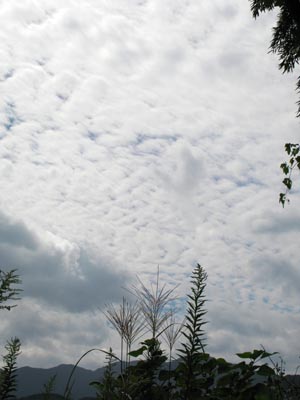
[107, 388]
[49, 387]
[285, 41]
[8, 372]
[7, 291]
[70, 382]
[287, 168]
[142, 379]
[144, 383]
[198, 375]
[251, 380]
[191, 351]
[286, 44]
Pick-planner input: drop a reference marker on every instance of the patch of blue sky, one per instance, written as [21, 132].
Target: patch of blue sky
[93, 136]
[37, 160]
[177, 305]
[62, 97]
[11, 117]
[141, 137]
[247, 286]
[266, 299]
[249, 244]
[8, 74]
[219, 280]
[34, 146]
[283, 308]
[251, 296]
[11, 120]
[137, 149]
[248, 181]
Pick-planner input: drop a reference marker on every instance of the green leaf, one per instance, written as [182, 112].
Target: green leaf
[95, 384]
[288, 148]
[138, 352]
[255, 354]
[282, 198]
[165, 375]
[295, 150]
[285, 168]
[247, 354]
[265, 370]
[288, 183]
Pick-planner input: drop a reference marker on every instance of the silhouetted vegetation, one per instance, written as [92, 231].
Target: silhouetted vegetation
[196, 374]
[286, 44]
[8, 293]
[155, 374]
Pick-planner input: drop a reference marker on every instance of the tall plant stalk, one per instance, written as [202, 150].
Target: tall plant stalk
[127, 322]
[69, 384]
[194, 333]
[8, 378]
[153, 304]
[171, 334]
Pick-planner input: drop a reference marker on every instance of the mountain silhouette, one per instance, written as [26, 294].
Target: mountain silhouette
[31, 381]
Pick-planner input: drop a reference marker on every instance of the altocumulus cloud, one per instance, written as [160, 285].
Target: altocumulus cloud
[136, 133]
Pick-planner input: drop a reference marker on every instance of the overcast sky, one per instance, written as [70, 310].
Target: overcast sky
[137, 133]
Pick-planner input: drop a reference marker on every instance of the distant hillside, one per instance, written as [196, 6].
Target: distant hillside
[31, 381]
[40, 397]
[51, 397]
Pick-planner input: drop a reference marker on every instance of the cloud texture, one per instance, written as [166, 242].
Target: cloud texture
[136, 133]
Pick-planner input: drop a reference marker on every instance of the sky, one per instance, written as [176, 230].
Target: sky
[138, 133]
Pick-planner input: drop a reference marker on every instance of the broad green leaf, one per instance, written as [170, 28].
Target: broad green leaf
[265, 370]
[295, 150]
[285, 168]
[255, 354]
[288, 183]
[246, 354]
[138, 352]
[288, 148]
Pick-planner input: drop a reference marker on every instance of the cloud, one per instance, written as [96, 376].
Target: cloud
[137, 133]
[49, 335]
[279, 224]
[59, 274]
[184, 170]
[16, 234]
[279, 274]
[256, 323]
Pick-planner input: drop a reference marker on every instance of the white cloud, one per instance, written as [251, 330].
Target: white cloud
[184, 170]
[140, 133]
